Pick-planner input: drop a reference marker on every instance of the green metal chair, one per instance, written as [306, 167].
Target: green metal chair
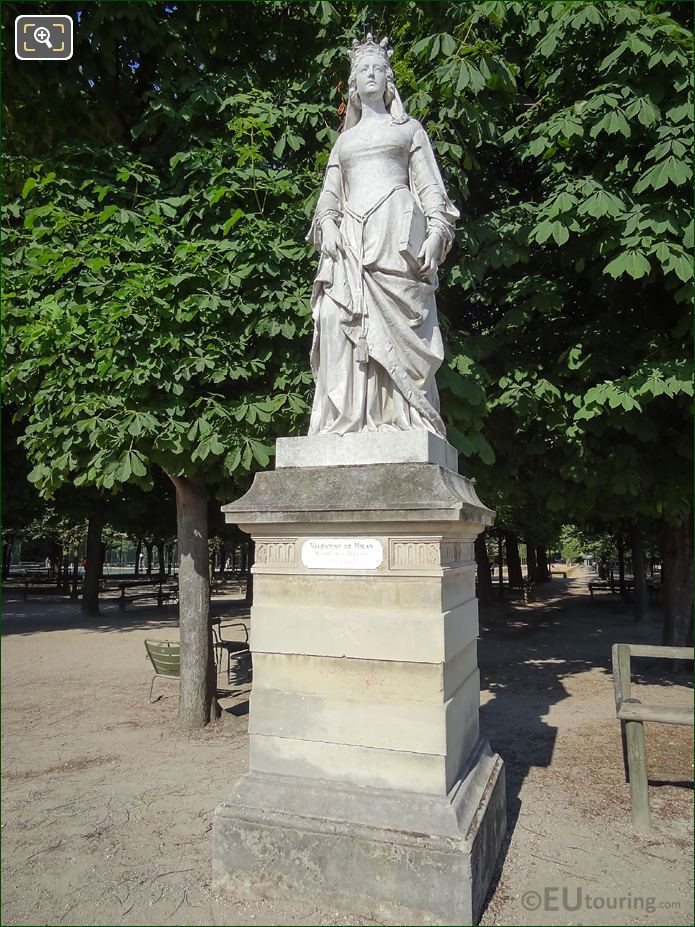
[165, 657]
[239, 666]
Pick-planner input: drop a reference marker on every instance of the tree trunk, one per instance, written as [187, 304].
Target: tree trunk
[484, 573]
[511, 543]
[531, 565]
[6, 559]
[639, 574]
[90, 587]
[620, 545]
[160, 557]
[75, 575]
[170, 559]
[138, 551]
[250, 560]
[542, 571]
[677, 570]
[149, 547]
[223, 559]
[500, 565]
[197, 704]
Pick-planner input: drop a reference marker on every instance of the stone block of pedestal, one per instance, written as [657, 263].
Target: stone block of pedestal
[370, 788]
[365, 447]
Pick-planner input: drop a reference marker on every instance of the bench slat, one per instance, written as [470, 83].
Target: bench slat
[670, 653]
[636, 711]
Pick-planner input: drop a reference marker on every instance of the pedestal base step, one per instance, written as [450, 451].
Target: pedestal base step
[354, 850]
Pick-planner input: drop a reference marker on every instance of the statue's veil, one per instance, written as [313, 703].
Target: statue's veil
[354, 113]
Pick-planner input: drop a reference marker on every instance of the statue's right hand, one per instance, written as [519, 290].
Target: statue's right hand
[331, 239]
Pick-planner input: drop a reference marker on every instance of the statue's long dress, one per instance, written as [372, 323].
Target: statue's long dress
[371, 290]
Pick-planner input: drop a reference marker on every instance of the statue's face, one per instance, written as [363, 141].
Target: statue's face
[370, 77]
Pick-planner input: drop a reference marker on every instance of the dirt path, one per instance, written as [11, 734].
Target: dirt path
[107, 806]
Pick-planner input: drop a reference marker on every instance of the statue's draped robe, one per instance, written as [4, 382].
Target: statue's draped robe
[371, 290]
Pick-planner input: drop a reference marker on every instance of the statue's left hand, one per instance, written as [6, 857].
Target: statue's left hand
[428, 256]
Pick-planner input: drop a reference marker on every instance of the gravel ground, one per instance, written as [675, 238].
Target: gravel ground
[107, 806]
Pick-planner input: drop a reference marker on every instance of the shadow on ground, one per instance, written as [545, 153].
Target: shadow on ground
[529, 687]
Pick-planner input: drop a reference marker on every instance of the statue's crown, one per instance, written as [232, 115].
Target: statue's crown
[369, 46]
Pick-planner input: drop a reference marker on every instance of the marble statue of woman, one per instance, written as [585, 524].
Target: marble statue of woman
[383, 224]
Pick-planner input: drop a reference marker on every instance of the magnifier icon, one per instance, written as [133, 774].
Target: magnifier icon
[42, 35]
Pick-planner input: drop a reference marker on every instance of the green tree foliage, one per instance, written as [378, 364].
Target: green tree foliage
[167, 295]
[157, 285]
[572, 291]
[157, 279]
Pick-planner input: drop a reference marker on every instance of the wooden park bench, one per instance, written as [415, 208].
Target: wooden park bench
[603, 586]
[526, 588]
[51, 585]
[653, 589]
[611, 588]
[163, 594]
[632, 714]
[219, 585]
[42, 585]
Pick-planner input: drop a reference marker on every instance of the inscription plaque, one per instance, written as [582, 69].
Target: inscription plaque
[342, 553]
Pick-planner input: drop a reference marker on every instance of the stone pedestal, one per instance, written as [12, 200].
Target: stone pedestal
[370, 788]
[365, 447]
